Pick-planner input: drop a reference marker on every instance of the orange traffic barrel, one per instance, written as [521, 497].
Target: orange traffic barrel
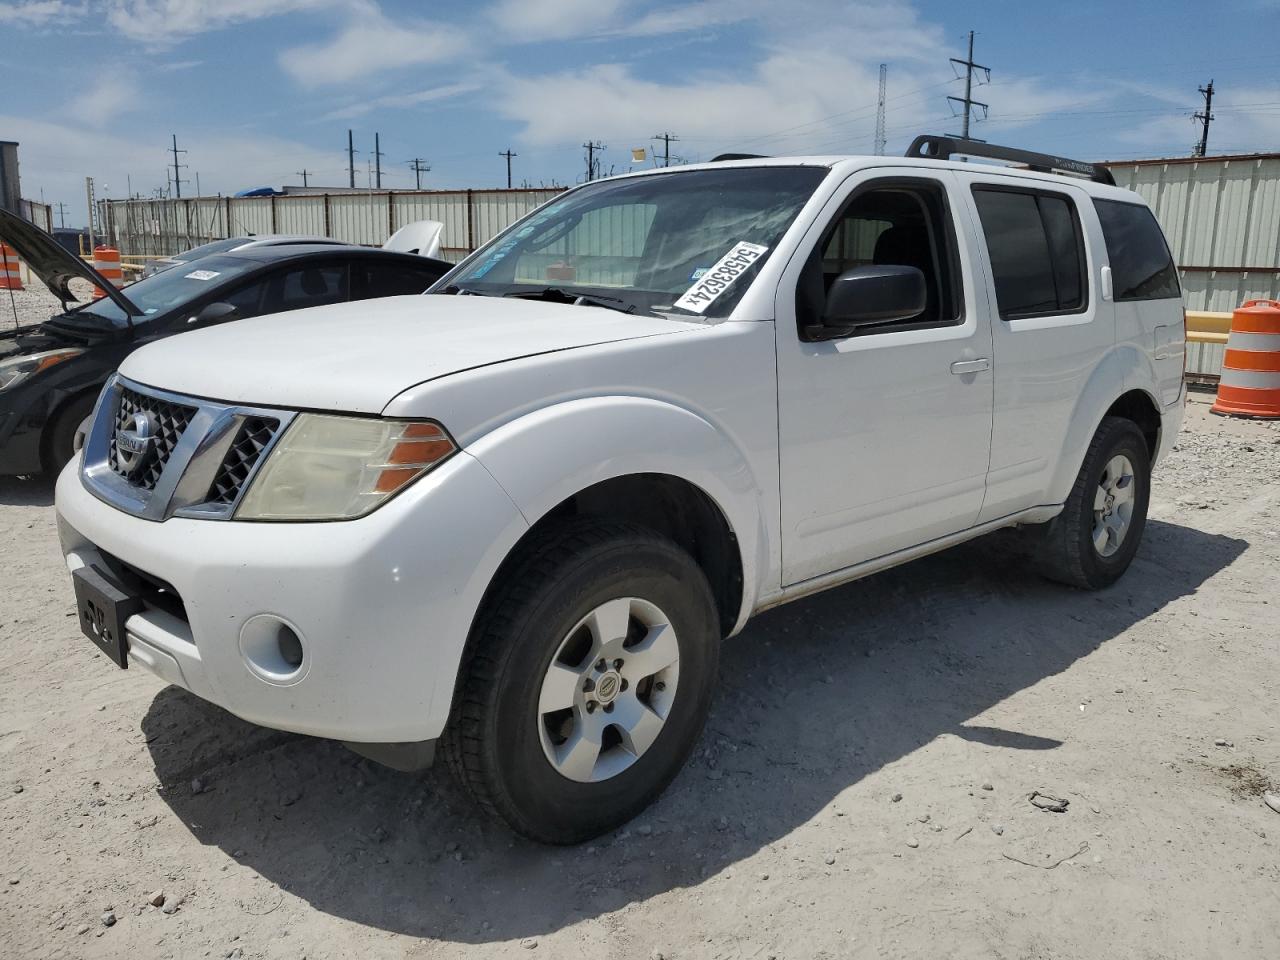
[1250, 384]
[106, 260]
[10, 278]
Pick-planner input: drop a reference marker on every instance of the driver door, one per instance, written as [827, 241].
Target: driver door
[885, 435]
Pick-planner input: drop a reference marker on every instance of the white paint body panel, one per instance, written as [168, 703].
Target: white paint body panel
[827, 460]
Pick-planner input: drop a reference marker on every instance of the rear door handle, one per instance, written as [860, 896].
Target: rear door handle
[961, 367]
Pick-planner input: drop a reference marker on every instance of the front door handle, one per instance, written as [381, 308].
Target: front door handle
[961, 367]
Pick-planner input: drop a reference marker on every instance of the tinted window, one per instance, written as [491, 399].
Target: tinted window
[1037, 255]
[309, 286]
[247, 300]
[158, 294]
[1141, 266]
[390, 280]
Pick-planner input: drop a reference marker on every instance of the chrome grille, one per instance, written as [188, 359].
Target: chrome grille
[254, 435]
[171, 421]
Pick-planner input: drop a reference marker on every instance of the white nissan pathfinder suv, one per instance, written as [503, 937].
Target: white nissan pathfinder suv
[517, 516]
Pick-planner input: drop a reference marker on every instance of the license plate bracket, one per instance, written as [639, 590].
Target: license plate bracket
[103, 608]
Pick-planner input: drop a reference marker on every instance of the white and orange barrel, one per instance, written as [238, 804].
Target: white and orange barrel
[106, 260]
[1250, 384]
[10, 278]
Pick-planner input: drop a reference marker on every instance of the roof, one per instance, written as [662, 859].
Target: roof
[1219, 158]
[291, 251]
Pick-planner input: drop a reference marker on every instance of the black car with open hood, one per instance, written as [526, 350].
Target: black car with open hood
[51, 372]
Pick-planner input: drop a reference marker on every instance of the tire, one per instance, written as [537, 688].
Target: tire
[542, 619]
[1075, 551]
[60, 437]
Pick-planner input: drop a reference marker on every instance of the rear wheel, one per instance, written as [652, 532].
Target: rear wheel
[588, 682]
[1093, 541]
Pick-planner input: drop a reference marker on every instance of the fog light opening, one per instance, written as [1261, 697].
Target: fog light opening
[273, 649]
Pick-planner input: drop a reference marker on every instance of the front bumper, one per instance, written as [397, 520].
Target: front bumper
[382, 605]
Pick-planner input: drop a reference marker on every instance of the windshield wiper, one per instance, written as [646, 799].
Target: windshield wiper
[455, 290]
[560, 295]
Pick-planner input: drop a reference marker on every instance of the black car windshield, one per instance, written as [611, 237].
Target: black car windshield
[689, 242]
[156, 295]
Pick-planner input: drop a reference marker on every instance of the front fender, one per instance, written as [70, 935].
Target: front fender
[547, 456]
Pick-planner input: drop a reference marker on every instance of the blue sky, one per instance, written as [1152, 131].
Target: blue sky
[258, 90]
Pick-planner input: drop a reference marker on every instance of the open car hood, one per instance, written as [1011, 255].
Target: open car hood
[54, 264]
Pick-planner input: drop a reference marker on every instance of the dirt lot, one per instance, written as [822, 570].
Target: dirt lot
[862, 789]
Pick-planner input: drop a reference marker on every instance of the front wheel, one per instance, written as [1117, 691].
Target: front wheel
[587, 682]
[1093, 541]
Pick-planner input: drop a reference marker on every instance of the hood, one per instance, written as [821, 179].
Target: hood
[356, 357]
[54, 263]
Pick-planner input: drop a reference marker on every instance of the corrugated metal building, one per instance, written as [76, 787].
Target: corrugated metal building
[1222, 218]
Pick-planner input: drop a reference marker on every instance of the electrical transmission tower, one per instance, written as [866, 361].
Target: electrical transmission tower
[967, 99]
[420, 167]
[593, 165]
[62, 214]
[880, 137]
[1204, 118]
[177, 178]
[508, 154]
[377, 161]
[351, 160]
[667, 139]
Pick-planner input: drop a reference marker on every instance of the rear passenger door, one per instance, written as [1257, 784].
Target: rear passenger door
[307, 285]
[1050, 330]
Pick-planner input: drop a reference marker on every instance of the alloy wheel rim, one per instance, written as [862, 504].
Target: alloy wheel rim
[1113, 505]
[608, 690]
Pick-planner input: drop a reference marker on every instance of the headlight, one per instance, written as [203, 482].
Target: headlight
[336, 468]
[16, 369]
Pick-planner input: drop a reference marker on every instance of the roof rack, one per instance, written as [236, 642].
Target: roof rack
[739, 156]
[944, 148]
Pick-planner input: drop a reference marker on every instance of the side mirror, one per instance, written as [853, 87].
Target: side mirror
[873, 295]
[212, 313]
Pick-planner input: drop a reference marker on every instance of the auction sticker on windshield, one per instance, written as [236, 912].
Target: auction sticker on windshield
[720, 277]
[201, 275]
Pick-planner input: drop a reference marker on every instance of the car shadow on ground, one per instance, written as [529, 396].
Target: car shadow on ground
[813, 697]
[26, 491]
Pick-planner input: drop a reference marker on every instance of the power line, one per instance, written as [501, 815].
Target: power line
[593, 165]
[508, 154]
[420, 167]
[880, 137]
[1204, 118]
[667, 139]
[967, 99]
[177, 180]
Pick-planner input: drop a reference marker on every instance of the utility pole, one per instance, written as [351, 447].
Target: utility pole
[1204, 118]
[62, 214]
[508, 154]
[880, 137]
[967, 99]
[667, 139]
[198, 183]
[377, 161]
[351, 159]
[303, 173]
[420, 167]
[88, 196]
[592, 147]
[177, 177]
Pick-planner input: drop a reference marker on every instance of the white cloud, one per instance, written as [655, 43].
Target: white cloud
[100, 102]
[401, 101]
[370, 44]
[530, 20]
[165, 21]
[37, 13]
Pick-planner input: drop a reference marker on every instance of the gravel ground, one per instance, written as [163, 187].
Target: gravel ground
[862, 789]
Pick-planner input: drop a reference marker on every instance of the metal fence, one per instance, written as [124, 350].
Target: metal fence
[163, 227]
[1222, 218]
[41, 214]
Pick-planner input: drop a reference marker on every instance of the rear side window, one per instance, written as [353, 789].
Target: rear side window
[1141, 265]
[1036, 250]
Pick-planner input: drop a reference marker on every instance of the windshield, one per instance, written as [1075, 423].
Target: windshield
[158, 294]
[687, 242]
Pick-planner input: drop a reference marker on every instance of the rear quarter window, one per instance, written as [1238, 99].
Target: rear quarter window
[1141, 265]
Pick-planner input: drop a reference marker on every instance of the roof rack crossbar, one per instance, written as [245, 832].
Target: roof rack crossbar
[944, 148]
